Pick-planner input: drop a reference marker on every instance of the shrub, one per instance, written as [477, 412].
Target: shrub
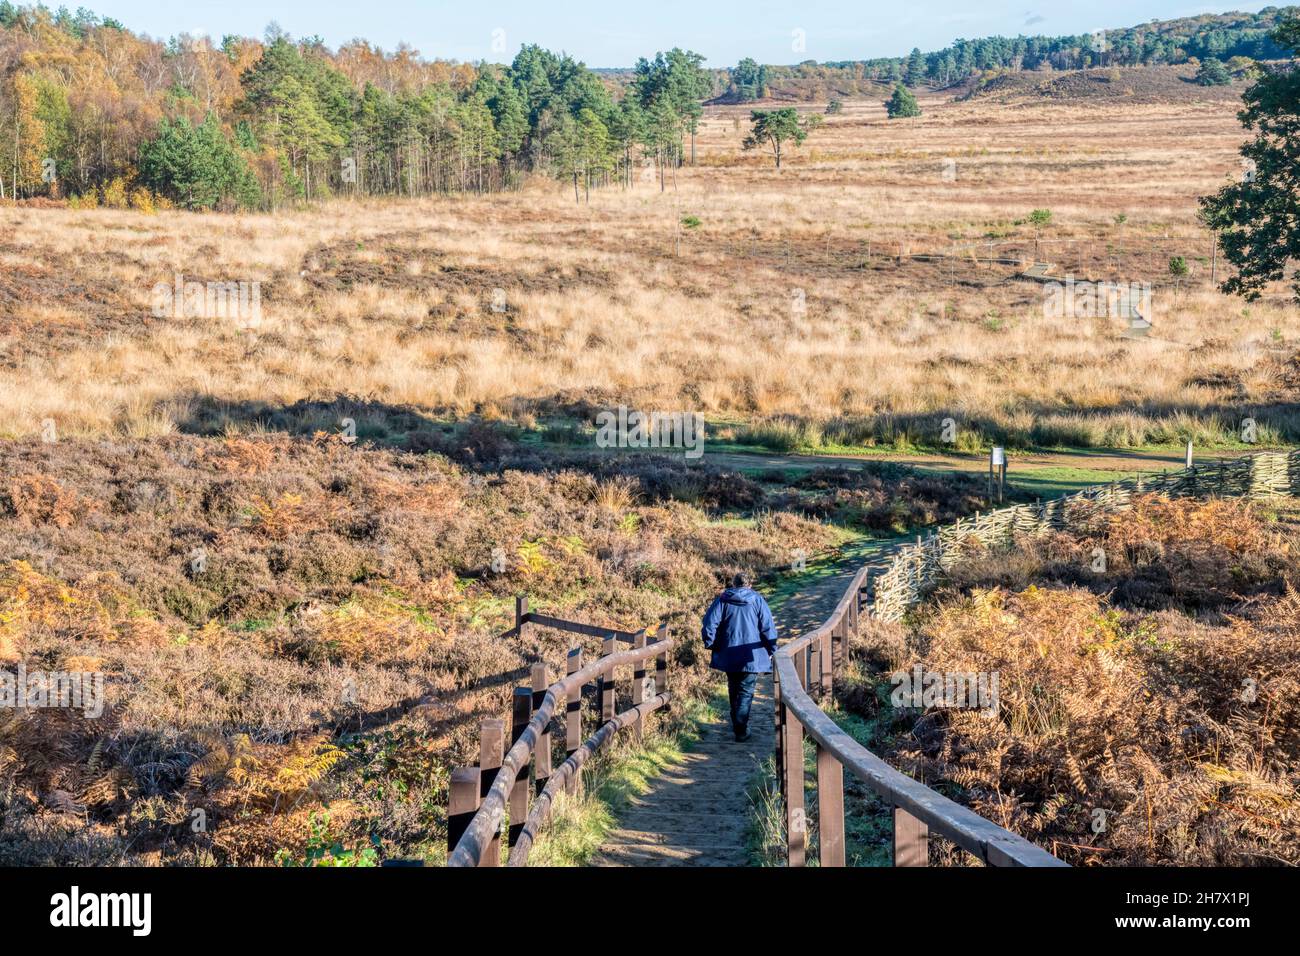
[142, 200]
[1213, 73]
[115, 194]
[902, 104]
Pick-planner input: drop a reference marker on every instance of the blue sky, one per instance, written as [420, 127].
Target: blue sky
[616, 32]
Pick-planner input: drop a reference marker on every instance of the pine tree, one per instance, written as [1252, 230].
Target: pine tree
[566, 150]
[914, 72]
[748, 80]
[774, 128]
[196, 166]
[1213, 73]
[626, 128]
[902, 104]
[509, 117]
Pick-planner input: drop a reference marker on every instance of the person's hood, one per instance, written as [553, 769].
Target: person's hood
[737, 596]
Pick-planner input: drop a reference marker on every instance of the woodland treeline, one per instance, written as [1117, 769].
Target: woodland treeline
[256, 124]
[1226, 37]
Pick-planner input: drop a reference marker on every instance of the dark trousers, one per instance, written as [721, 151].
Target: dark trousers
[740, 691]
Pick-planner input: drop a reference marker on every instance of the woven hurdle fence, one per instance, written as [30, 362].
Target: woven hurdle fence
[915, 568]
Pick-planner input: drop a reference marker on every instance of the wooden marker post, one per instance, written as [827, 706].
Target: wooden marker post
[998, 467]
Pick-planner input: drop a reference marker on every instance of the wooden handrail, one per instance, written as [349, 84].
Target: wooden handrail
[573, 627]
[811, 658]
[474, 828]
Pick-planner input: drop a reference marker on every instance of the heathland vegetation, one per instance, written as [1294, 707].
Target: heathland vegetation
[284, 435]
[1147, 700]
[300, 636]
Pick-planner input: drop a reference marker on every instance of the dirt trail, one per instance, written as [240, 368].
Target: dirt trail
[697, 812]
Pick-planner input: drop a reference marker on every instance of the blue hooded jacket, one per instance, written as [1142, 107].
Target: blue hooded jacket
[739, 629]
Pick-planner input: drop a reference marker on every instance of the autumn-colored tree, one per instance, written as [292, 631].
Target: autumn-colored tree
[22, 147]
[302, 121]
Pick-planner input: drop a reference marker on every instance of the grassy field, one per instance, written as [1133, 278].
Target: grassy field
[784, 310]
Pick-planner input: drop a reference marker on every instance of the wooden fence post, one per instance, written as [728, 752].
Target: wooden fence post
[778, 714]
[542, 753]
[491, 749]
[661, 661]
[796, 823]
[521, 612]
[606, 683]
[827, 656]
[814, 650]
[462, 803]
[638, 684]
[830, 809]
[573, 720]
[911, 840]
[521, 714]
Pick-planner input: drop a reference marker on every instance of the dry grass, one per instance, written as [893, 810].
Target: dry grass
[614, 301]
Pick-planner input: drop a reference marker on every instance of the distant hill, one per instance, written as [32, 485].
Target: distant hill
[1239, 37]
[1142, 84]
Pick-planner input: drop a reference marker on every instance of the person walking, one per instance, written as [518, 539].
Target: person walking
[739, 630]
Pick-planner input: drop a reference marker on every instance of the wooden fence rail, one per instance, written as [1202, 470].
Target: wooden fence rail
[541, 810]
[805, 667]
[482, 798]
